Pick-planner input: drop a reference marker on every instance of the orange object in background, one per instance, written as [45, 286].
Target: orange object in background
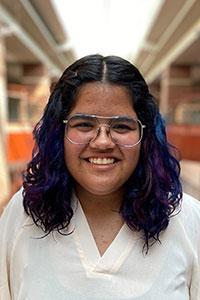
[19, 152]
[19, 147]
[187, 139]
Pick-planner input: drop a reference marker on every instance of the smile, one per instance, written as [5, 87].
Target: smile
[101, 161]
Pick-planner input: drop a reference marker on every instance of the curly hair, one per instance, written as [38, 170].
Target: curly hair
[153, 191]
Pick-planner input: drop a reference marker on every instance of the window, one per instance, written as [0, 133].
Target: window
[188, 113]
[13, 109]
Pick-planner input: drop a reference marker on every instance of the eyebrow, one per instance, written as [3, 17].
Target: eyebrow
[125, 117]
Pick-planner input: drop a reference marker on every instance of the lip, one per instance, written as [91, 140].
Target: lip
[116, 159]
[101, 166]
[101, 155]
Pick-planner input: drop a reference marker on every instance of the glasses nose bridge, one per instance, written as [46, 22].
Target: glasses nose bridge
[102, 135]
[101, 125]
[100, 131]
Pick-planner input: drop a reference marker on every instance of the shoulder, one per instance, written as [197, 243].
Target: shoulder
[13, 215]
[190, 208]
[12, 223]
[189, 218]
[15, 203]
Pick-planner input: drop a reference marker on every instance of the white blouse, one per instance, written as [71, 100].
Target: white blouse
[70, 267]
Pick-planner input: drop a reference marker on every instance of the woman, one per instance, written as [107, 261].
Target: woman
[101, 215]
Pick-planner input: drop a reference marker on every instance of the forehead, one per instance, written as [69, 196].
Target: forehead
[103, 99]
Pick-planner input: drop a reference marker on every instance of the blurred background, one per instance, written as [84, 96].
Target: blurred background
[40, 38]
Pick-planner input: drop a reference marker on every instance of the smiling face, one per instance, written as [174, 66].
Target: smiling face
[101, 167]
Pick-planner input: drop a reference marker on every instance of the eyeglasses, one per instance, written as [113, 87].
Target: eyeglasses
[124, 131]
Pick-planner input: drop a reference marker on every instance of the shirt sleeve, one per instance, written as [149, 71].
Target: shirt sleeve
[195, 285]
[192, 226]
[9, 222]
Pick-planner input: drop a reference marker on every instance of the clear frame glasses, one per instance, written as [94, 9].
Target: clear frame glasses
[125, 131]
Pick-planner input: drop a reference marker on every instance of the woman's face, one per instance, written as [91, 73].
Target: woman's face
[84, 161]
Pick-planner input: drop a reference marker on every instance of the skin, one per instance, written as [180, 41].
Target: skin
[100, 187]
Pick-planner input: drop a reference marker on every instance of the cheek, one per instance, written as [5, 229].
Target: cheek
[132, 158]
[72, 156]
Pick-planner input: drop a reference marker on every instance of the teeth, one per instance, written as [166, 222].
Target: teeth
[101, 161]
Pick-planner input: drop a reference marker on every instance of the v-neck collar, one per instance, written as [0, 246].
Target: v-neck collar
[91, 259]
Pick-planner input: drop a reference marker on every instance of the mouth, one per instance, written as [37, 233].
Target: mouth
[102, 161]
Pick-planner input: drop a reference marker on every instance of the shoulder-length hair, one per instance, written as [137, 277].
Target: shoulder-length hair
[153, 191]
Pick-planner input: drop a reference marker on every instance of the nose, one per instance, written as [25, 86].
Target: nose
[103, 139]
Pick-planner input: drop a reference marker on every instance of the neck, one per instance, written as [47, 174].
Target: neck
[99, 204]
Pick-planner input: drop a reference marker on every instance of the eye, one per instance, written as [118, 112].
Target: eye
[82, 125]
[124, 127]
[121, 127]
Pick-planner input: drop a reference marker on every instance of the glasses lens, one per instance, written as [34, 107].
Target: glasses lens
[81, 129]
[126, 131]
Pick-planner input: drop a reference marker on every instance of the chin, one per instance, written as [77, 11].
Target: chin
[99, 191]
